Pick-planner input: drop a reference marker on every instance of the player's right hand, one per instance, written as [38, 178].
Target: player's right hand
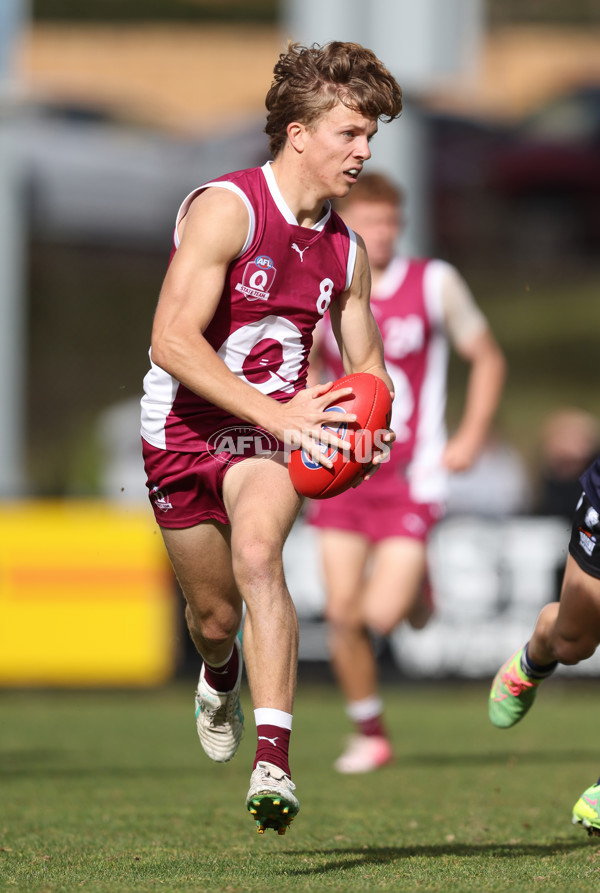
[303, 422]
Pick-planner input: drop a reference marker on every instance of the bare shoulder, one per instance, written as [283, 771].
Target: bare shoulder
[464, 319]
[452, 286]
[216, 216]
[448, 274]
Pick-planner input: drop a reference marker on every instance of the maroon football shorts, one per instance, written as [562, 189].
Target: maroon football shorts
[185, 488]
[377, 515]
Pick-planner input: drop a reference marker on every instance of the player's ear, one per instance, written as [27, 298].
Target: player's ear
[296, 133]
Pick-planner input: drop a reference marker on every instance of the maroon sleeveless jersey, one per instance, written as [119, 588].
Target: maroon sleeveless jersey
[276, 290]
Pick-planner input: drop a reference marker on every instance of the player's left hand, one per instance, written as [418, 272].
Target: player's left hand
[382, 455]
[460, 453]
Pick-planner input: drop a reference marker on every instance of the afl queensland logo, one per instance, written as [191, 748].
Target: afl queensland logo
[161, 499]
[258, 278]
[329, 451]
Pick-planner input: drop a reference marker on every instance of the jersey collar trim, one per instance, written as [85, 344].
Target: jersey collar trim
[284, 208]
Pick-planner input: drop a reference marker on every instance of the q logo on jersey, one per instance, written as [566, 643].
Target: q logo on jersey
[258, 278]
[326, 450]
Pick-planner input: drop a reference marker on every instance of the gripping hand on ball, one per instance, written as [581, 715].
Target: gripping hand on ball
[305, 422]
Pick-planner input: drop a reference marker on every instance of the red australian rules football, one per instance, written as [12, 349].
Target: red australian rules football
[371, 402]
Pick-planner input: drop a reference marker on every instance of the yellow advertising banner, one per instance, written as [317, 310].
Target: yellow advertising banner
[86, 596]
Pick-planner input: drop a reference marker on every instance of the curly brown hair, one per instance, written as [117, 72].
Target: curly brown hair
[309, 81]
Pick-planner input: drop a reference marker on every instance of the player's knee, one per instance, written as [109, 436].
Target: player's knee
[211, 628]
[382, 619]
[256, 561]
[381, 625]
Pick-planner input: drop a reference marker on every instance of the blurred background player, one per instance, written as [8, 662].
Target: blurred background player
[569, 443]
[566, 632]
[259, 257]
[373, 539]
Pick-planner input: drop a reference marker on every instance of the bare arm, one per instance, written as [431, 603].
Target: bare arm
[211, 236]
[475, 343]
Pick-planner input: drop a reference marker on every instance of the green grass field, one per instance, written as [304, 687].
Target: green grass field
[111, 792]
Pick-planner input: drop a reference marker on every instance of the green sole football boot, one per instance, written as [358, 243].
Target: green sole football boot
[271, 800]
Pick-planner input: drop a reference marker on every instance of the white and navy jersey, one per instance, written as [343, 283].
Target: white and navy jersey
[276, 290]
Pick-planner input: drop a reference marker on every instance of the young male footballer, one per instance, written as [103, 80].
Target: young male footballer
[566, 632]
[259, 257]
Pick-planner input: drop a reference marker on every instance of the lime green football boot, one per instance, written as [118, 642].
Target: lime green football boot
[586, 811]
[512, 693]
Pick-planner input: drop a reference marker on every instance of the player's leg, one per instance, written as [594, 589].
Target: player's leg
[185, 495]
[262, 506]
[398, 587]
[395, 582]
[389, 592]
[345, 556]
[201, 559]
[569, 631]
[566, 632]
[573, 637]
[184, 492]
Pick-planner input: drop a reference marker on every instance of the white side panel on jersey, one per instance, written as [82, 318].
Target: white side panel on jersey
[428, 479]
[351, 258]
[160, 389]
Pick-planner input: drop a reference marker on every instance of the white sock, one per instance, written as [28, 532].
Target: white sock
[368, 708]
[268, 716]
